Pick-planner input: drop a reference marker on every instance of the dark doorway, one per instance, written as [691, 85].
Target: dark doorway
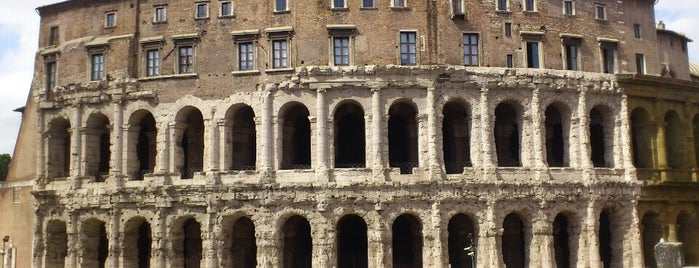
[146, 145]
[652, 232]
[191, 244]
[352, 242]
[56, 241]
[605, 239]
[642, 131]
[597, 139]
[297, 242]
[686, 233]
[296, 138]
[96, 244]
[555, 144]
[507, 136]
[244, 143]
[407, 242]
[350, 141]
[402, 138]
[561, 241]
[456, 137]
[461, 235]
[98, 143]
[513, 244]
[674, 140]
[244, 247]
[58, 148]
[192, 142]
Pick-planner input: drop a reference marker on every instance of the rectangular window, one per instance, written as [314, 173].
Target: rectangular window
[568, 7]
[16, 194]
[280, 5]
[508, 29]
[341, 51]
[408, 53]
[533, 55]
[186, 59]
[637, 31]
[608, 60]
[110, 19]
[640, 63]
[529, 5]
[50, 75]
[457, 6]
[367, 3]
[571, 57]
[226, 9]
[502, 5]
[280, 54]
[600, 12]
[338, 3]
[160, 14]
[153, 62]
[97, 68]
[202, 10]
[53, 36]
[246, 56]
[471, 49]
[509, 61]
[398, 3]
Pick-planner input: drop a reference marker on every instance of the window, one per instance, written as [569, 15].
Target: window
[153, 62]
[533, 55]
[608, 60]
[338, 3]
[367, 3]
[600, 12]
[457, 7]
[508, 29]
[50, 75]
[398, 3]
[568, 7]
[97, 66]
[408, 53]
[341, 51]
[246, 56]
[160, 14]
[502, 5]
[571, 56]
[110, 19]
[529, 5]
[640, 63]
[202, 10]
[186, 59]
[53, 36]
[509, 61]
[637, 31]
[16, 194]
[471, 49]
[280, 5]
[280, 54]
[226, 9]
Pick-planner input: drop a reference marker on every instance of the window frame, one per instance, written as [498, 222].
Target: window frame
[603, 15]
[502, 6]
[250, 55]
[198, 6]
[373, 4]
[156, 17]
[243, 37]
[460, 4]
[333, 4]
[640, 63]
[507, 29]
[471, 46]
[283, 58]
[533, 65]
[188, 59]
[606, 60]
[50, 73]
[347, 47]
[637, 31]
[399, 4]
[408, 44]
[231, 9]
[572, 7]
[110, 19]
[569, 41]
[527, 8]
[276, 35]
[97, 75]
[157, 62]
[509, 60]
[54, 34]
[276, 6]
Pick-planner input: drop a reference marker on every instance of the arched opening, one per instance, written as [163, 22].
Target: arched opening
[297, 243]
[604, 238]
[695, 128]
[350, 141]
[58, 148]
[513, 244]
[461, 236]
[642, 132]
[555, 138]
[243, 245]
[95, 243]
[190, 247]
[674, 140]
[352, 242]
[598, 136]
[402, 137]
[243, 139]
[507, 135]
[686, 233]
[561, 241]
[407, 242]
[296, 138]
[456, 137]
[651, 234]
[137, 243]
[56, 241]
[97, 153]
[190, 127]
[144, 138]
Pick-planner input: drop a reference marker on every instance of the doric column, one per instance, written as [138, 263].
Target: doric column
[486, 135]
[160, 240]
[377, 116]
[267, 133]
[225, 148]
[377, 242]
[73, 240]
[322, 136]
[590, 230]
[209, 245]
[541, 247]
[634, 234]
[584, 130]
[434, 248]
[538, 144]
[211, 146]
[117, 240]
[267, 247]
[434, 166]
[75, 142]
[625, 136]
[117, 141]
[488, 253]
[660, 144]
[39, 243]
[129, 158]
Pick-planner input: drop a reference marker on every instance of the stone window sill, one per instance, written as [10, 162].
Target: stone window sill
[279, 70]
[170, 76]
[245, 72]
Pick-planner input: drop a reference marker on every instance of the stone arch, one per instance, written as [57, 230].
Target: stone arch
[350, 138]
[407, 241]
[296, 136]
[652, 231]
[56, 244]
[352, 242]
[674, 140]
[687, 234]
[563, 241]
[58, 151]
[514, 246]
[241, 138]
[138, 241]
[239, 245]
[557, 131]
[97, 143]
[601, 136]
[606, 239]
[403, 137]
[94, 243]
[462, 235]
[296, 242]
[456, 136]
[508, 134]
[186, 240]
[642, 136]
[189, 142]
[142, 143]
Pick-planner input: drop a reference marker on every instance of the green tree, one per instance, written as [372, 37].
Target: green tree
[5, 160]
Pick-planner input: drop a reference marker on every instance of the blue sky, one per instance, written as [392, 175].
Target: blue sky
[19, 26]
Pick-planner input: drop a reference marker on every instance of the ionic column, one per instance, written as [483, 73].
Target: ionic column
[625, 137]
[267, 133]
[83, 155]
[434, 166]
[128, 133]
[75, 142]
[322, 137]
[117, 241]
[173, 128]
[584, 134]
[163, 149]
[117, 145]
[211, 146]
[377, 116]
[225, 148]
[538, 144]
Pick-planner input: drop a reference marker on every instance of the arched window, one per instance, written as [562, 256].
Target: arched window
[513, 244]
[461, 236]
[97, 141]
[56, 241]
[402, 137]
[604, 241]
[555, 138]
[407, 242]
[674, 140]
[142, 135]
[243, 248]
[296, 137]
[58, 148]
[297, 243]
[507, 135]
[190, 143]
[652, 232]
[456, 141]
[561, 241]
[243, 139]
[599, 144]
[642, 133]
[137, 243]
[352, 242]
[686, 233]
[93, 238]
[350, 141]
[187, 244]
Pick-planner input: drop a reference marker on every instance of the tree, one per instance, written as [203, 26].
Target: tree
[5, 160]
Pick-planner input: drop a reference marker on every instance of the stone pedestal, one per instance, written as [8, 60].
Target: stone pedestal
[669, 255]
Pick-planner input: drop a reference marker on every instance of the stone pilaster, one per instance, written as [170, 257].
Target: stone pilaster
[116, 239]
[267, 133]
[160, 240]
[225, 145]
[538, 133]
[434, 166]
[322, 148]
[76, 142]
[209, 246]
[73, 240]
[117, 147]
[377, 124]
[211, 146]
[590, 231]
